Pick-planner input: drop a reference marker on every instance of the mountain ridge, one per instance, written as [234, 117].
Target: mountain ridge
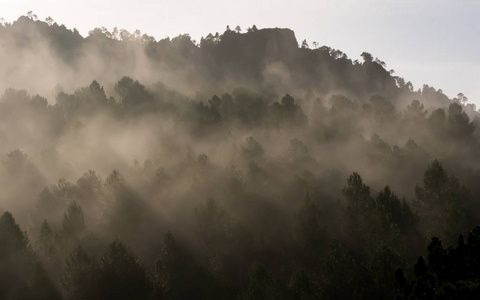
[267, 60]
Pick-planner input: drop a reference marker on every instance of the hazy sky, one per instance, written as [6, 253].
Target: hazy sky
[436, 42]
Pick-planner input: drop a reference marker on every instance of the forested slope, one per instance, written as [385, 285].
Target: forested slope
[243, 166]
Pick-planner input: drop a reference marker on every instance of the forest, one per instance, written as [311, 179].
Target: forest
[243, 166]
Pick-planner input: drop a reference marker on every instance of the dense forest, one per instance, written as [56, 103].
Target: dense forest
[243, 166]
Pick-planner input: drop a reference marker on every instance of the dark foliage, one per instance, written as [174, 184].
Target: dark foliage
[257, 170]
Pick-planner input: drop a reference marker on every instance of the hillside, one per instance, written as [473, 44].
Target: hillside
[243, 166]
[265, 60]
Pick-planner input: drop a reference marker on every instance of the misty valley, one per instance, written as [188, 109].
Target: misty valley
[243, 166]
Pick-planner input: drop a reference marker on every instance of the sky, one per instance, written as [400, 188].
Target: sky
[434, 42]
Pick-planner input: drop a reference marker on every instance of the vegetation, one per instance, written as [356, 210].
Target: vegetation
[257, 169]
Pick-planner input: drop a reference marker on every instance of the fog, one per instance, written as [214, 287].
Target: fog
[235, 167]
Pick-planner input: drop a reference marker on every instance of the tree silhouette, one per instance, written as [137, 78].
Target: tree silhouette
[312, 233]
[262, 285]
[358, 214]
[176, 272]
[445, 273]
[460, 125]
[81, 277]
[21, 277]
[440, 204]
[305, 45]
[73, 223]
[367, 57]
[120, 275]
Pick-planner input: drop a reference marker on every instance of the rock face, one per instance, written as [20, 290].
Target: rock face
[280, 43]
[269, 44]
